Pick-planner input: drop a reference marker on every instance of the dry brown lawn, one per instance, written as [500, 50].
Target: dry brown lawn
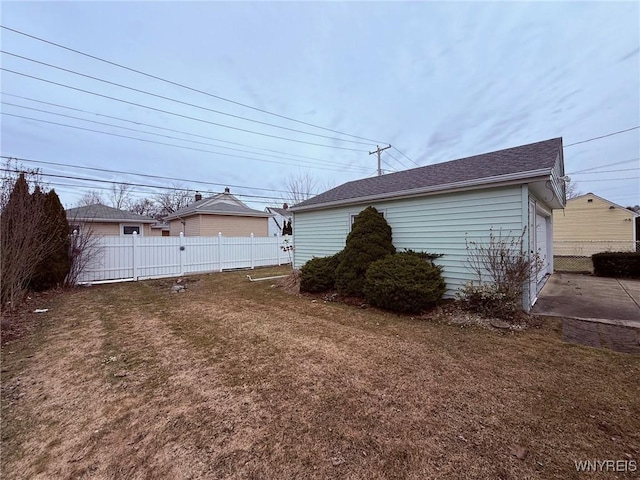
[234, 379]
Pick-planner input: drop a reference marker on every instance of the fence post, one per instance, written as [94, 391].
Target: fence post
[220, 250]
[252, 254]
[279, 243]
[181, 253]
[135, 256]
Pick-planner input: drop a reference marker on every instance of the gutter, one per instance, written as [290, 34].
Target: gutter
[502, 180]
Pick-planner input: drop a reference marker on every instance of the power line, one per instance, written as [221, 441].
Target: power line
[165, 143]
[136, 122]
[69, 187]
[608, 171]
[611, 179]
[605, 165]
[178, 101]
[177, 114]
[131, 184]
[185, 86]
[405, 156]
[602, 136]
[398, 161]
[147, 175]
[322, 162]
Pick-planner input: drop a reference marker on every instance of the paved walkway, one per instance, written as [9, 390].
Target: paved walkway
[596, 311]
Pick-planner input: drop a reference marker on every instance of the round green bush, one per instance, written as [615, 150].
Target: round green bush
[369, 240]
[404, 282]
[319, 274]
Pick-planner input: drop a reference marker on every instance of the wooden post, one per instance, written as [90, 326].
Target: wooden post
[379, 150]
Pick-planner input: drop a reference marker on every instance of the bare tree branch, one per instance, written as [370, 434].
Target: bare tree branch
[120, 195]
[300, 187]
[92, 197]
[571, 189]
[172, 200]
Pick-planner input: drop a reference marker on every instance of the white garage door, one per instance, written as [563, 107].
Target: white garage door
[541, 244]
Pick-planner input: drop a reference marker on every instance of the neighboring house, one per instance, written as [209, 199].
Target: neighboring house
[438, 207]
[281, 216]
[160, 229]
[590, 224]
[103, 220]
[221, 213]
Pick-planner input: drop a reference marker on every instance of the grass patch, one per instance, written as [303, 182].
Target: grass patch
[238, 379]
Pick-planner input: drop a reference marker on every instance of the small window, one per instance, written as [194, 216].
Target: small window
[590, 200]
[354, 215]
[131, 229]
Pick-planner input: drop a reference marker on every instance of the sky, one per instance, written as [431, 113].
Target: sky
[436, 80]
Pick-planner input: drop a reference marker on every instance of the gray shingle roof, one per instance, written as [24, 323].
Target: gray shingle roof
[102, 213]
[220, 204]
[280, 211]
[477, 169]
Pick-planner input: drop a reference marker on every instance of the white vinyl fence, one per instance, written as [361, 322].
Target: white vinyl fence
[133, 257]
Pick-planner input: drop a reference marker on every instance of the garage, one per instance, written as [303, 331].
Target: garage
[540, 243]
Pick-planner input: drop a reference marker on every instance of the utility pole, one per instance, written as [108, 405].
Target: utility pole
[379, 150]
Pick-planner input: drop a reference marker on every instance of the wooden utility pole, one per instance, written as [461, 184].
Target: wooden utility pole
[379, 150]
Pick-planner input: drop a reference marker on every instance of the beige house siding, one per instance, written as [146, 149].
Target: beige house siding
[228, 225]
[112, 229]
[231, 226]
[102, 228]
[586, 227]
[175, 227]
[191, 226]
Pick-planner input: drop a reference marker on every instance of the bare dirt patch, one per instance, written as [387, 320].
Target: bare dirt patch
[234, 379]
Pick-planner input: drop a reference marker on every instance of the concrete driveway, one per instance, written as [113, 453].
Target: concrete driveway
[596, 311]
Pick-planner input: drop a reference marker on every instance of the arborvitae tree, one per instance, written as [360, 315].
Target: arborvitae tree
[54, 232]
[369, 240]
[21, 250]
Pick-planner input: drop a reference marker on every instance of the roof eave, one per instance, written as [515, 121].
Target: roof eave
[173, 216]
[108, 220]
[501, 180]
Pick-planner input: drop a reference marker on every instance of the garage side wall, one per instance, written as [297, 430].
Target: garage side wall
[437, 224]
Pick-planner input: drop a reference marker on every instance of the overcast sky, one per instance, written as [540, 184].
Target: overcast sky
[436, 80]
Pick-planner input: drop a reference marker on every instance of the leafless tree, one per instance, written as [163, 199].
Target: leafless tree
[173, 199]
[144, 206]
[84, 251]
[300, 187]
[92, 197]
[571, 189]
[120, 195]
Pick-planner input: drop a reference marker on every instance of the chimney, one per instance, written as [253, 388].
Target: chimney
[198, 196]
[226, 190]
[285, 206]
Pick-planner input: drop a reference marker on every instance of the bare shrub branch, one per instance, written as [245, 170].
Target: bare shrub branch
[502, 268]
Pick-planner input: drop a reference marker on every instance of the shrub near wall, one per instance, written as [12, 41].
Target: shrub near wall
[319, 274]
[405, 282]
[616, 264]
[369, 240]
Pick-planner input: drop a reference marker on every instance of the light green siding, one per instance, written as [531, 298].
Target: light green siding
[437, 224]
